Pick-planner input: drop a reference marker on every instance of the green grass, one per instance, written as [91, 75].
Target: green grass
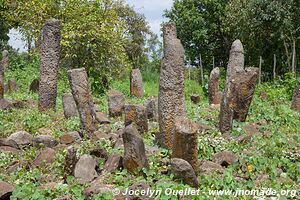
[274, 150]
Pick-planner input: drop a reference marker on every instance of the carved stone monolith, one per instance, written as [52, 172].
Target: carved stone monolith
[82, 95]
[185, 144]
[69, 105]
[137, 114]
[136, 83]
[171, 85]
[50, 54]
[239, 89]
[5, 60]
[296, 99]
[214, 94]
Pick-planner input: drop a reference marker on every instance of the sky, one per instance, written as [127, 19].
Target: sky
[152, 9]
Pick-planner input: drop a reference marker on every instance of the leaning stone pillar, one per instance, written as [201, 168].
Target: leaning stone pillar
[50, 53]
[214, 94]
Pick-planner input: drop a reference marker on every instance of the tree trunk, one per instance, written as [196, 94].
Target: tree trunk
[259, 76]
[294, 58]
[201, 70]
[274, 67]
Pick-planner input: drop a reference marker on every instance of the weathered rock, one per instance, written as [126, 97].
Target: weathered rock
[225, 158]
[101, 118]
[136, 83]
[5, 60]
[112, 164]
[183, 170]
[69, 105]
[8, 149]
[5, 104]
[70, 162]
[116, 103]
[12, 85]
[8, 142]
[214, 94]
[82, 95]
[46, 156]
[186, 141]
[6, 190]
[99, 152]
[97, 187]
[134, 150]
[171, 85]
[22, 138]
[136, 114]
[50, 54]
[66, 139]
[45, 131]
[296, 99]
[239, 89]
[195, 98]
[45, 140]
[1, 82]
[152, 109]
[34, 86]
[208, 167]
[75, 135]
[85, 169]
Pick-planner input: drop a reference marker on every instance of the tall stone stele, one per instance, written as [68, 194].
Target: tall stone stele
[82, 95]
[136, 83]
[186, 141]
[171, 85]
[214, 94]
[239, 89]
[50, 54]
[5, 60]
[296, 99]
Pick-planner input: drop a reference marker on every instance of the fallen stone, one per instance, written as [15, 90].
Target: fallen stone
[66, 139]
[5, 104]
[183, 170]
[34, 86]
[101, 118]
[99, 152]
[70, 162]
[97, 187]
[208, 167]
[46, 156]
[112, 164]
[45, 140]
[137, 115]
[10, 143]
[152, 109]
[195, 98]
[225, 158]
[134, 150]
[22, 138]
[85, 169]
[8, 149]
[6, 190]
[116, 103]
[76, 136]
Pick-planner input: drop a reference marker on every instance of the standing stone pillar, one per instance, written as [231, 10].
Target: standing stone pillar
[239, 89]
[116, 103]
[171, 85]
[5, 60]
[82, 95]
[1, 82]
[214, 94]
[137, 114]
[296, 99]
[186, 141]
[69, 105]
[136, 83]
[50, 53]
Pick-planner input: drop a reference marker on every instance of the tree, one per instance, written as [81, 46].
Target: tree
[4, 28]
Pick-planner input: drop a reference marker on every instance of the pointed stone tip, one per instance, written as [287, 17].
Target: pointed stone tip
[237, 46]
[169, 28]
[215, 70]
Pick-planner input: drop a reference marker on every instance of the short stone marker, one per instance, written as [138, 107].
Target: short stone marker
[116, 103]
[152, 109]
[50, 54]
[214, 94]
[137, 114]
[69, 105]
[5, 60]
[136, 83]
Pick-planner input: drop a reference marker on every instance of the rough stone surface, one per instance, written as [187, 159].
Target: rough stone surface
[85, 169]
[34, 86]
[50, 54]
[46, 156]
[5, 60]
[208, 167]
[97, 187]
[8, 149]
[21, 138]
[171, 85]
[186, 141]
[239, 89]
[152, 109]
[136, 83]
[70, 162]
[69, 105]
[134, 150]
[214, 94]
[6, 190]
[8, 142]
[101, 118]
[183, 170]
[116, 103]
[1, 82]
[195, 98]
[136, 114]
[45, 140]
[296, 99]
[12, 85]
[82, 95]
[225, 158]
[113, 163]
